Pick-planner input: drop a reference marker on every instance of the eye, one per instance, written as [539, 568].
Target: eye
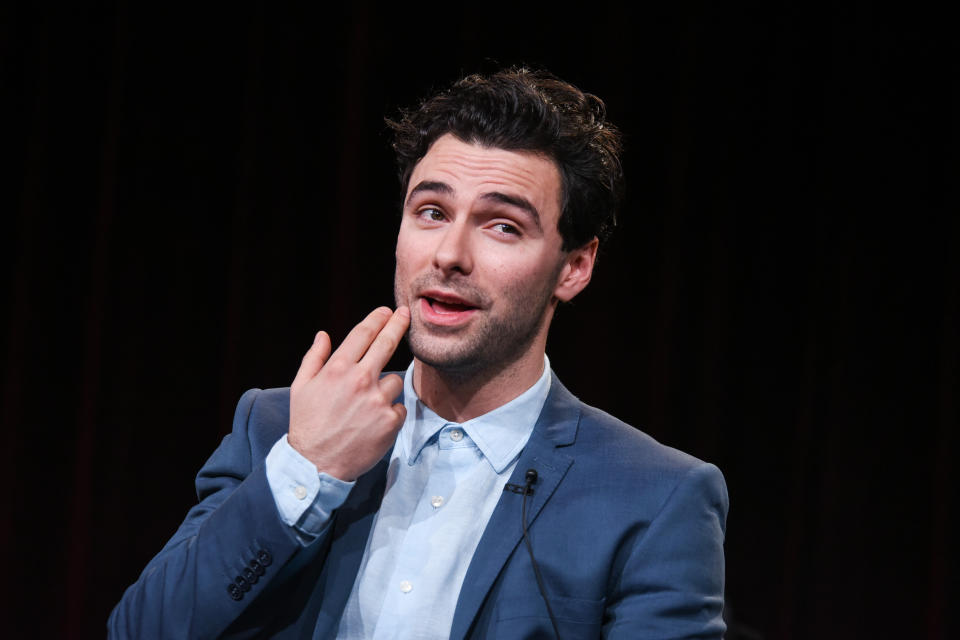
[508, 229]
[431, 213]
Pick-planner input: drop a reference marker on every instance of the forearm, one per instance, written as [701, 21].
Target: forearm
[234, 545]
[186, 590]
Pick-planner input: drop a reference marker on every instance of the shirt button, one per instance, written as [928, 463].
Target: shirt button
[300, 492]
[436, 501]
[456, 435]
[406, 587]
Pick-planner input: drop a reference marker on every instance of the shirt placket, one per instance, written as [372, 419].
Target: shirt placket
[411, 590]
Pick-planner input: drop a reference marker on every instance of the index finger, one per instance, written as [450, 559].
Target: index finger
[387, 341]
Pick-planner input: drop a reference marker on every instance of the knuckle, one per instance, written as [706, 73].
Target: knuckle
[359, 381]
[336, 367]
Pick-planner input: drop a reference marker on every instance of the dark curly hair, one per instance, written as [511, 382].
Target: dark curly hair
[522, 110]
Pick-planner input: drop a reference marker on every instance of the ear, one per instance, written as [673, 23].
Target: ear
[576, 271]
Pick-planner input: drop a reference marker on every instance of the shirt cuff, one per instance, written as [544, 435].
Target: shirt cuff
[305, 499]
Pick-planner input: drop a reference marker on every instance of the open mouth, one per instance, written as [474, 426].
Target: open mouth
[441, 308]
[446, 306]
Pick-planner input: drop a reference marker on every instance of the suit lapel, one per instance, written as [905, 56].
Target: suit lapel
[556, 428]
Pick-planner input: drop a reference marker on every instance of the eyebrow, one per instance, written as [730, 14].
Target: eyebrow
[429, 185]
[494, 196]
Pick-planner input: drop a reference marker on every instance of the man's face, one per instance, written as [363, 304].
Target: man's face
[479, 256]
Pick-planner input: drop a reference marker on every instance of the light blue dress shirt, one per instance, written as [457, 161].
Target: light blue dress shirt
[443, 482]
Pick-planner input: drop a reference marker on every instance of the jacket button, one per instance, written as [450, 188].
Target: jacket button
[235, 592]
[250, 575]
[257, 567]
[242, 583]
[264, 557]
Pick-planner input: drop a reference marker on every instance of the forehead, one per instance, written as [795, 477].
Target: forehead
[472, 170]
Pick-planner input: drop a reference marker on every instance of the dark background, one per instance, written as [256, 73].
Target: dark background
[193, 192]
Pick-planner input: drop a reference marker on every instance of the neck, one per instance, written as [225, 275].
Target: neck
[460, 396]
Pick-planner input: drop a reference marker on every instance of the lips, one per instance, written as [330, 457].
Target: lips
[444, 308]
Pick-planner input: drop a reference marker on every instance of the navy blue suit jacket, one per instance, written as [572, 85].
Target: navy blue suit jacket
[628, 534]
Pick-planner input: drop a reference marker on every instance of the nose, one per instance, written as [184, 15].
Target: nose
[453, 253]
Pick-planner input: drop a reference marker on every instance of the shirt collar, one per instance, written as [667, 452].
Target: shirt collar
[500, 434]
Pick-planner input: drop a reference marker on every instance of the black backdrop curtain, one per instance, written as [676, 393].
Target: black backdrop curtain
[191, 193]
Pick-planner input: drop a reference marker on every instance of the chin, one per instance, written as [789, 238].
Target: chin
[452, 358]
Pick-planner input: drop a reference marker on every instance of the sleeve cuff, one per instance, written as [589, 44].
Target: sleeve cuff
[305, 499]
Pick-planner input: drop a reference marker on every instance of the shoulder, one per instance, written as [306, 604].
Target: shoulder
[265, 408]
[616, 441]
[602, 435]
[261, 418]
[610, 453]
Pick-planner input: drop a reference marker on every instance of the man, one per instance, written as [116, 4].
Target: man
[474, 496]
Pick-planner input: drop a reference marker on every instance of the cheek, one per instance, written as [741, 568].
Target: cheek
[517, 280]
[400, 271]
[403, 253]
[401, 281]
[526, 267]
[410, 257]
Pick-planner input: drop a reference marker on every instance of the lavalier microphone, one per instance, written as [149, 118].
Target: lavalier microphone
[531, 478]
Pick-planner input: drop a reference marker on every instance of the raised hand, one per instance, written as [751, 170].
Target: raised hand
[342, 415]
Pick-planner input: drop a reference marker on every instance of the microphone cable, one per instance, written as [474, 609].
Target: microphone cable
[531, 479]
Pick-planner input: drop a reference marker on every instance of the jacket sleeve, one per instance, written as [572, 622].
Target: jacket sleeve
[671, 586]
[230, 548]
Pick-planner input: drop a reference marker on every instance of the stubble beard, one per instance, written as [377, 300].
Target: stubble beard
[491, 342]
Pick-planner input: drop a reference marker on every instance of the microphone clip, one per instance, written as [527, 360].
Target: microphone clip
[524, 489]
[520, 489]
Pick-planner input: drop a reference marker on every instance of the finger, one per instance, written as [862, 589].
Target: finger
[314, 359]
[401, 412]
[391, 386]
[387, 341]
[362, 336]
